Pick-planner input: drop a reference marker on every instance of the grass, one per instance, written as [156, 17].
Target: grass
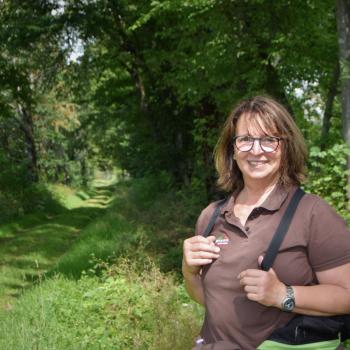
[86, 303]
[110, 235]
[33, 244]
[121, 310]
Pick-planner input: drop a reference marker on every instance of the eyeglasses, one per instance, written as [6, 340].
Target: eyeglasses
[267, 143]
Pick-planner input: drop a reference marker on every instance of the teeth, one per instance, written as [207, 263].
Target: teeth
[256, 162]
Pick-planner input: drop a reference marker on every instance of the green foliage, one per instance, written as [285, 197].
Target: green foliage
[62, 153]
[205, 135]
[166, 217]
[328, 176]
[18, 196]
[144, 191]
[154, 80]
[148, 216]
[123, 309]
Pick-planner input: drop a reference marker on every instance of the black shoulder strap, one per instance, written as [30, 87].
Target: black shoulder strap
[281, 231]
[213, 218]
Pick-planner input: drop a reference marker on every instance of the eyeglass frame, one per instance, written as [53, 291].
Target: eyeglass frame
[258, 139]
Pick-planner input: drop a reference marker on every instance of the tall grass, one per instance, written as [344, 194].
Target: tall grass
[110, 290]
[110, 235]
[122, 309]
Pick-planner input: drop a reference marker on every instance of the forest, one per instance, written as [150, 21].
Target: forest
[109, 114]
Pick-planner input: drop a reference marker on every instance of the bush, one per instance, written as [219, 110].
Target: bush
[328, 176]
[26, 200]
[19, 196]
[123, 309]
[145, 190]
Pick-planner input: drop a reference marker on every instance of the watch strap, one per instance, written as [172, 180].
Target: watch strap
[290, 292]
[288, 303]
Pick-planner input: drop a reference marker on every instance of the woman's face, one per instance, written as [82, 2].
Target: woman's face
[257, 165]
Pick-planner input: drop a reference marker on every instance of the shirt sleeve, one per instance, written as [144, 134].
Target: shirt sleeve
[329, 238]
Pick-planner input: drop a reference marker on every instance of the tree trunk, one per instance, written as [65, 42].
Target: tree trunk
[274, 87]
[27, 127]
[137, 61]
[137, 69]
[343, 25]
[332, 92]
[83, 171]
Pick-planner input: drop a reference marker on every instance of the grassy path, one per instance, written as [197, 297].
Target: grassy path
[32, 245]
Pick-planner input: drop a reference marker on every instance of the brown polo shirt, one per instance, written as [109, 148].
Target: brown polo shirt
[318, 239]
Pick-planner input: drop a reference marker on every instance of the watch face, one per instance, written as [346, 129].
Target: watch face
[288, 304]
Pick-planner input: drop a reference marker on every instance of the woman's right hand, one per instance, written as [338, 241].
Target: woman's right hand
[198, 251]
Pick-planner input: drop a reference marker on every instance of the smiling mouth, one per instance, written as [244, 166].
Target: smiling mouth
[257, 162]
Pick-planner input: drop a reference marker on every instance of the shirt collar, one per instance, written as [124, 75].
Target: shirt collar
[272, 203]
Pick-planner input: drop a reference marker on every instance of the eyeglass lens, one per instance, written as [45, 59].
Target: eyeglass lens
[246, 143]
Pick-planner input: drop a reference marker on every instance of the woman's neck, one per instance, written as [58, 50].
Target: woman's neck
[255, 194]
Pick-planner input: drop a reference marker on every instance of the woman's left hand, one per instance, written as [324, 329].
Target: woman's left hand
[263, 287]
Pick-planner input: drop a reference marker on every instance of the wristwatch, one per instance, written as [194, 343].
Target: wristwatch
[288, 302]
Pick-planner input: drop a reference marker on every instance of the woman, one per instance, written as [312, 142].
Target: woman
[260, 159]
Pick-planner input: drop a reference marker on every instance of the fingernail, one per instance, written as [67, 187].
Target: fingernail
[217, 249]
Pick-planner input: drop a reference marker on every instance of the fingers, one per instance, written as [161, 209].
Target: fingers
[200, 239]
[204, 255]
[248, 281]
[199, 244]
[250, 273]
[199, 262]
[198, 251]
[261, 286]
[254, 277]
[255, 297]
[252, 282]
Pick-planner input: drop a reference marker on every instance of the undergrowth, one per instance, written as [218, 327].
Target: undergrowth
[122, 309]
[118, 286]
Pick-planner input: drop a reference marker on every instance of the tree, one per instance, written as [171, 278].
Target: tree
[29, 55]
[343, 22]
[161, 76]
[155, 80]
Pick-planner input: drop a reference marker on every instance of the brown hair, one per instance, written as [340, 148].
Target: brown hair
[268, 115]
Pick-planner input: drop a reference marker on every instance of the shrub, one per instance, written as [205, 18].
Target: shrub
[328, 176]
[123, 309]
